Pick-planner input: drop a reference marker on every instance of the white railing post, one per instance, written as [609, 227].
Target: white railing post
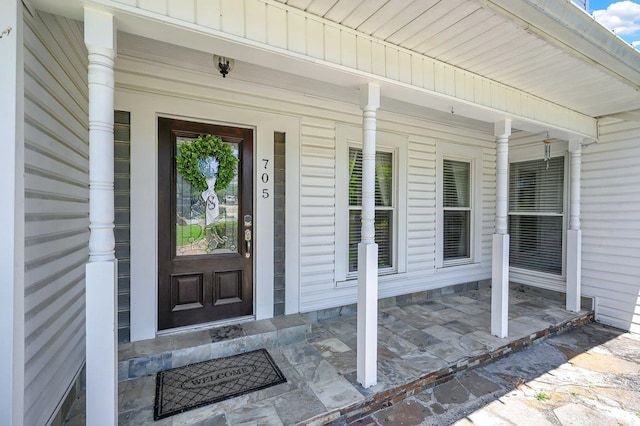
[367, 349]
[574, 234]
[500, 264]
[101, 271]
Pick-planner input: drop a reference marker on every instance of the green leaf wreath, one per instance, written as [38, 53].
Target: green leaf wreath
[204, 146]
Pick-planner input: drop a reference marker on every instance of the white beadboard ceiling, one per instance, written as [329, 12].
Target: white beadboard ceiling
[543, 47]
[470, 35]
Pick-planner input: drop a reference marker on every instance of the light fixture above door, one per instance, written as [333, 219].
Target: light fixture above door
[223, 64]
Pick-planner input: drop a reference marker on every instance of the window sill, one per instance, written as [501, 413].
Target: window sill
[352, 281]
[459, 262]
[537, 274]
[458, 266]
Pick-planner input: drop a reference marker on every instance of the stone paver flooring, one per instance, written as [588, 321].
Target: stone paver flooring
[420, 344]
[587, 376]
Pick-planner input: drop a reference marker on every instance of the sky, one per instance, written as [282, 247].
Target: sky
[622, 17]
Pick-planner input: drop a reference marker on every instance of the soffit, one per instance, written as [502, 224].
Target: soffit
[501, 40]
[475, 37]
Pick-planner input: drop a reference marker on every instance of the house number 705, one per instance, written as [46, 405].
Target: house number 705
[265, 178]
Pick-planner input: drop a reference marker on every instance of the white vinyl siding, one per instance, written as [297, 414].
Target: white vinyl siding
[610, 217]
[56, 210]
[536, 215]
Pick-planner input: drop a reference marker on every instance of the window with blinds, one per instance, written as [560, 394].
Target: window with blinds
[384, 206]
[457, 210]
[536, 215]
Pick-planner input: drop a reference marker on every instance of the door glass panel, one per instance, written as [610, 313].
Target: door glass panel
[206, 222]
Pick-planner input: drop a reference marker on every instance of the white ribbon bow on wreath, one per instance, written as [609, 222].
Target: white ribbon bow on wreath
[211, 199]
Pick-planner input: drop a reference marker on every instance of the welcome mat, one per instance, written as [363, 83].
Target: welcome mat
[192, 386]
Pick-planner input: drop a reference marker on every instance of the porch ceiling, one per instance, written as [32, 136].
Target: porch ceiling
[553, 52]
[515, 43]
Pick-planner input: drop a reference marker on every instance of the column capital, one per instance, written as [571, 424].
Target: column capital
[575, 144]
[100, 32]
[502, 129]
[370, 96]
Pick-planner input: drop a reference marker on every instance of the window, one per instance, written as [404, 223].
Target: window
[536, 215]
[456, 206]
[458, 197]
[390, 203]
[384, 207]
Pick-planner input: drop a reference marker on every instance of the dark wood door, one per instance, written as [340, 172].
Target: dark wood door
[205, 250]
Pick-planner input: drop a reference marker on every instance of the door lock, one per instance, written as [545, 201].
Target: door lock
[247, 239]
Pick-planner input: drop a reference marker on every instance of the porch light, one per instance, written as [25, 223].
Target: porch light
[547, 149]
[223, 64]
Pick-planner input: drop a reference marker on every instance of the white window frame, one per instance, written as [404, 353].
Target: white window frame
[351, 136]
[473, 156]
[534, 153]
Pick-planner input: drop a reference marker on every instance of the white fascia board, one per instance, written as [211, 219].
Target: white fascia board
[352, 59]
[575, 31]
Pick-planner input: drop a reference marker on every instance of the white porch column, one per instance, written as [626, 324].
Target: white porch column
[500, 267]
[574, 234]
[367, 349]
[101, 272]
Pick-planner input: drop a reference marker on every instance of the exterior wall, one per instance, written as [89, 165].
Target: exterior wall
[610, 224]
[12, 216]
[319, 286]
[56, 210]
[148, 88]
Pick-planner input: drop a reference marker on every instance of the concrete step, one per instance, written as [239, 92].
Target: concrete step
[147, 357]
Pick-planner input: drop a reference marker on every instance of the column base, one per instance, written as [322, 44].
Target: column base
[574, 270]
[500, 286]
[367, 349]
[102, 343]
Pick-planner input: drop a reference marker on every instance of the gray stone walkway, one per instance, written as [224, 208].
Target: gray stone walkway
[589, 376]
[422, 343]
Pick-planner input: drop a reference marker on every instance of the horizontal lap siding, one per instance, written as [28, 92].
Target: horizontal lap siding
[56, 210]
[421, 202]
[611, 224]
[317, 210]
[488, 202]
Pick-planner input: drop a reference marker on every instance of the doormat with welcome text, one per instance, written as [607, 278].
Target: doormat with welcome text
[192, 386]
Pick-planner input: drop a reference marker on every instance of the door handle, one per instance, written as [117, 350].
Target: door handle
[247, 239]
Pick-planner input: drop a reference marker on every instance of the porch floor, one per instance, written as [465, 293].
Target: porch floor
[420, 344]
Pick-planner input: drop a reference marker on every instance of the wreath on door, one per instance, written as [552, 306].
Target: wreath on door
[193, 154]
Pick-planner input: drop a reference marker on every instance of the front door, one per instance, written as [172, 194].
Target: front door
[205, 252]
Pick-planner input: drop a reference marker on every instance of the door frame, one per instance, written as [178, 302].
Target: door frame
[145, 108]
